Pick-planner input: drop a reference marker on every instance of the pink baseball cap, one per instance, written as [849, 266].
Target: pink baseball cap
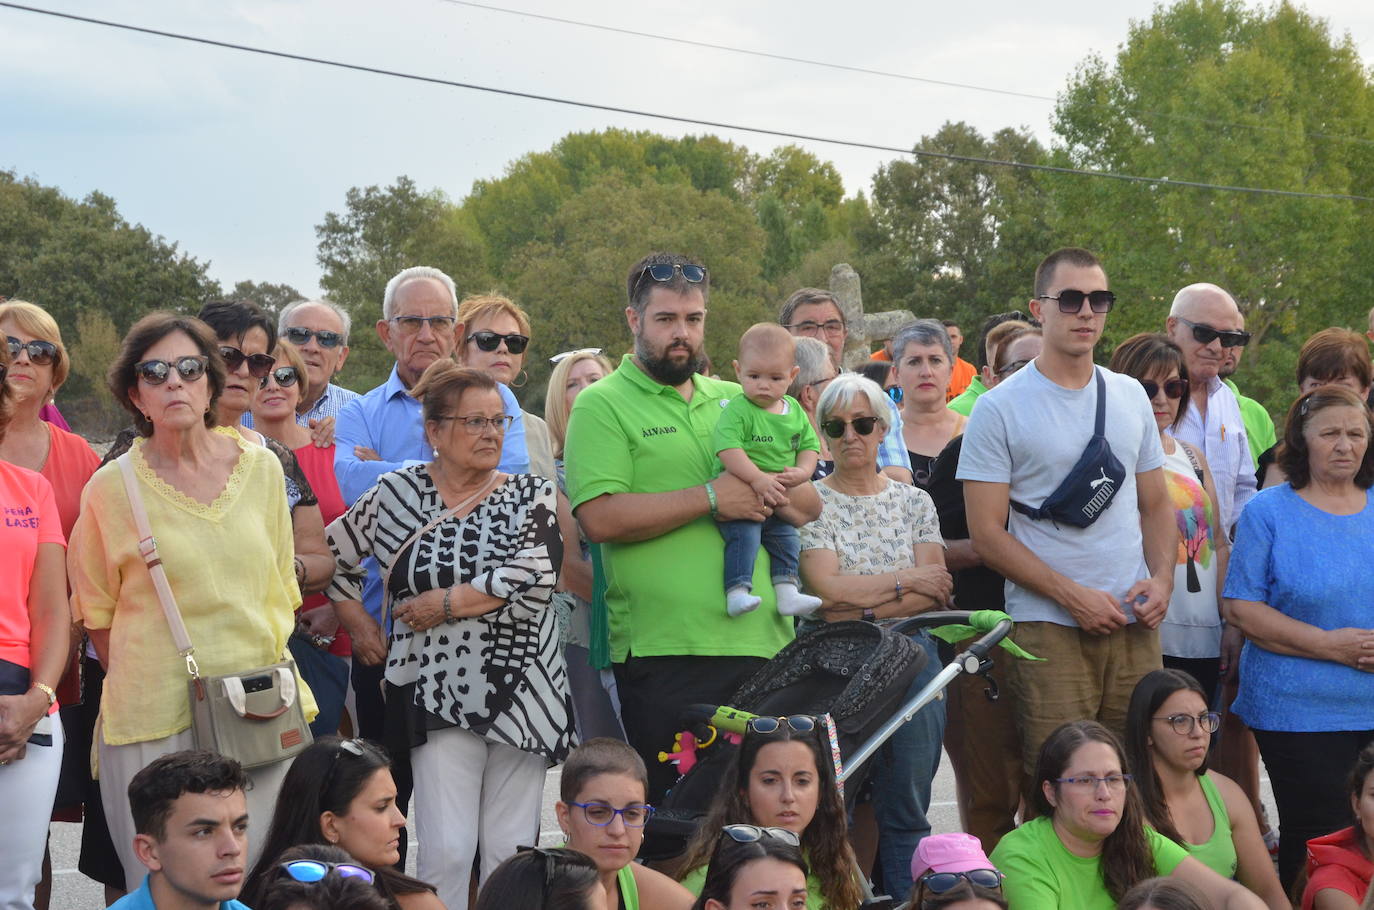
[954, 852]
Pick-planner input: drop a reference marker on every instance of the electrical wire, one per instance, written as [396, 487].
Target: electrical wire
[691, 121]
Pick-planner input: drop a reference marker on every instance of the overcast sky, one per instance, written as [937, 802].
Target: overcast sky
[236, 156]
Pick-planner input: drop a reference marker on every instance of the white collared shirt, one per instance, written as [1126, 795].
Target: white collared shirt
[1223, 440]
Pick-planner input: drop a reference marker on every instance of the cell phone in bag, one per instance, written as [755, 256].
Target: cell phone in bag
[42, 732]
[253, 684]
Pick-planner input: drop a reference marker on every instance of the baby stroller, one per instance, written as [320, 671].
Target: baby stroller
[856, 672]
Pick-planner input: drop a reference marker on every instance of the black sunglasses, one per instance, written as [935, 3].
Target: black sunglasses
[748, 834]
[258, 364]
[798, 723]
[1071, 301]
[285, 377]
[834, 428]
[300, 336]
[940, 882]
[41, 353]
[1173, 389]
[490, 341]
[1205, 334]
[155, 372]
[694, 274]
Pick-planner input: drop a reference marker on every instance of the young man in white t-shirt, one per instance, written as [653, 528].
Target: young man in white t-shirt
[1089, 600]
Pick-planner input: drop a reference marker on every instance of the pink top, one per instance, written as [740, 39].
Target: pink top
[318, 466]
[28, 517]
[71, 462]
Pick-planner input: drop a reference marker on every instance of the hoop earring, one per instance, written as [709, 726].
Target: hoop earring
[523, 382]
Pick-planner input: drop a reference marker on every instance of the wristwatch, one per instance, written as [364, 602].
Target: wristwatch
[46, 690]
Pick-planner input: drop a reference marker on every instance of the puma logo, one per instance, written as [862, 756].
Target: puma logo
[1101, 480]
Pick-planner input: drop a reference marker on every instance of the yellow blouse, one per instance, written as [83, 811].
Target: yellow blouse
[229, 564]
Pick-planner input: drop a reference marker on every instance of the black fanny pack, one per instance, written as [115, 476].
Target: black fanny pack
[1092, 484]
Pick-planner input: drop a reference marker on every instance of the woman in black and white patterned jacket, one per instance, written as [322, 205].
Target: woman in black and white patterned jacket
[476, 687]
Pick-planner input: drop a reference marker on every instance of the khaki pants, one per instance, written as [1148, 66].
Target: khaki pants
[1083, 677]
[985, 751]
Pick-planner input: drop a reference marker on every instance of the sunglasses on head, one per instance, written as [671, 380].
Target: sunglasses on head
[155, 372]
[559, 358]
[300, 336]
[1205, 334]
[1174, 389]
[940, 882]
[41, 353]
[311, 871]
[797, 723]
[834, 427]
[282, 376]
[748, 834]
[1071, 301]
[694, 274]
[490, 341]
[258, 364]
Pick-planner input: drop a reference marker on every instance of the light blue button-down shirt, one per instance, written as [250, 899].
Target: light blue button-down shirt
[388, 421]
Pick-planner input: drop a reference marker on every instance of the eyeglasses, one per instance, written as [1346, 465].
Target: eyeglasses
[811, 329]
[282, 376]
[310, 871]
[663, 271]
[1173, 389]
[748, 834]
[559, 358]
[475, 425]
[490, 341]
[300, 336]
[797, 723]
[834, 428]
[1115, 782]
[1011, 368]
[1209, 721]
[155, 372]
[1071, 301]
[940, 882]
[1205, 334]
[258, 364]
[411, 325]
[601, 815]
[41, 353]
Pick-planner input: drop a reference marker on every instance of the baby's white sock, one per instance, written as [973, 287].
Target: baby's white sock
[738, 601]
[792, 602]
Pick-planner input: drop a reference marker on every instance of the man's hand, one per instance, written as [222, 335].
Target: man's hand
[1096, 612]
[769, 489]
[363, 453]
[369, 642]
[322, 433]
[1232, 640]
[321, 621]
[736, 500]
[1155, 603]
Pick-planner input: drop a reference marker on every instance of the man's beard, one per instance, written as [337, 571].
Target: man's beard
[664, 369]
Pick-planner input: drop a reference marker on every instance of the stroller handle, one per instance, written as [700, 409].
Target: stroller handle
[933, 619]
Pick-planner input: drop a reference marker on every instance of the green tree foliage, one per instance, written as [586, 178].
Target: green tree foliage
[271, 297]
[1220, 92]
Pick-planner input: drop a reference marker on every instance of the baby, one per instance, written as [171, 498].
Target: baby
[765, 439]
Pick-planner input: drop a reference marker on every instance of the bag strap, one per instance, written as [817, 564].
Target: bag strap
[1100, 424]
[1192, 459]
[147, 548]
[430, 525]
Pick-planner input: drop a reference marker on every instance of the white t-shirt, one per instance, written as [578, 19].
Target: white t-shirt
[1029, 432]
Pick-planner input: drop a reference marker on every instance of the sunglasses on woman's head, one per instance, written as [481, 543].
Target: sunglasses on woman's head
[797, 723]
[490, 341]
[748, 834]
[940, 882]
[258, 364]
[282, 376]
[41, 353]
[834, 427]
[155, 372]
[311, 871]
[1173, 389]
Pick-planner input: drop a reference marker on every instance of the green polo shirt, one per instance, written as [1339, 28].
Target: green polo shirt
[963, 402]
[1259, 426]
[630, 434]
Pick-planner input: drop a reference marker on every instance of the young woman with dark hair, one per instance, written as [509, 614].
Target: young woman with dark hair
[340, 792]
[319, 877]
[784, 778]
[755, 868]
[1168, 733]
[1089, 843]
[1163, 894]
[540, 879]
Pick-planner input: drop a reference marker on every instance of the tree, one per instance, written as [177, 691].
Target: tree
[271, 297]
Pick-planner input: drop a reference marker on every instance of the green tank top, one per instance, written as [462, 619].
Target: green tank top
[1219, 853]
[629, 891]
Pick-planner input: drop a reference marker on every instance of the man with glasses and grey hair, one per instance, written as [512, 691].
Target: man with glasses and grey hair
[318, 329]
[814, 313]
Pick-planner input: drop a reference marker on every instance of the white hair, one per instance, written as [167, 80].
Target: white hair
[405, 276]
[345, 320]
[844, 389]
[1184, 299]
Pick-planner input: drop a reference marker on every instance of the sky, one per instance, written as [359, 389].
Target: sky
[236, 157]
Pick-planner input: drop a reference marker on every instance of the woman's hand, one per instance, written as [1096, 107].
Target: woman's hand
[19, 714]
[369, 642]
[934, 581]
[320, 622]
[423, 611]
[1352, 647]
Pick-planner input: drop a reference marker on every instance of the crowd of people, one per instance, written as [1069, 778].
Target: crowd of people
[439, 595]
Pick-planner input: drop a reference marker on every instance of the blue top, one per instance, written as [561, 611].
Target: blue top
[1314, 567]
[387, 420]
[142, 899]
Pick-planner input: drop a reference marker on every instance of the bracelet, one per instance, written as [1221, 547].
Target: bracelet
[711, 500]
[299, 565]
[448, 605]
[899, 587]
[46, 690]
[868, 615]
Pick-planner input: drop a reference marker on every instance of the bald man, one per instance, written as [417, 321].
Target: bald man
[1204, 321]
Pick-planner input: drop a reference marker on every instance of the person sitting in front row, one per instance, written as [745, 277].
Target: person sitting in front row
[766, 440]
[319, 877]
[191, 819]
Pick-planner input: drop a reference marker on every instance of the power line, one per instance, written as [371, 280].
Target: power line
[888, 74]
[691, 121]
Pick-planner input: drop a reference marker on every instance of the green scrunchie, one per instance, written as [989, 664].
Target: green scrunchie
[981, 621]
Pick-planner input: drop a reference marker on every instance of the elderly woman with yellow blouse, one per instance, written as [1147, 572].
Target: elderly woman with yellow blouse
[217, 504]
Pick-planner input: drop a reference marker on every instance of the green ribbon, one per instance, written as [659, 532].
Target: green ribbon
[981, 621]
